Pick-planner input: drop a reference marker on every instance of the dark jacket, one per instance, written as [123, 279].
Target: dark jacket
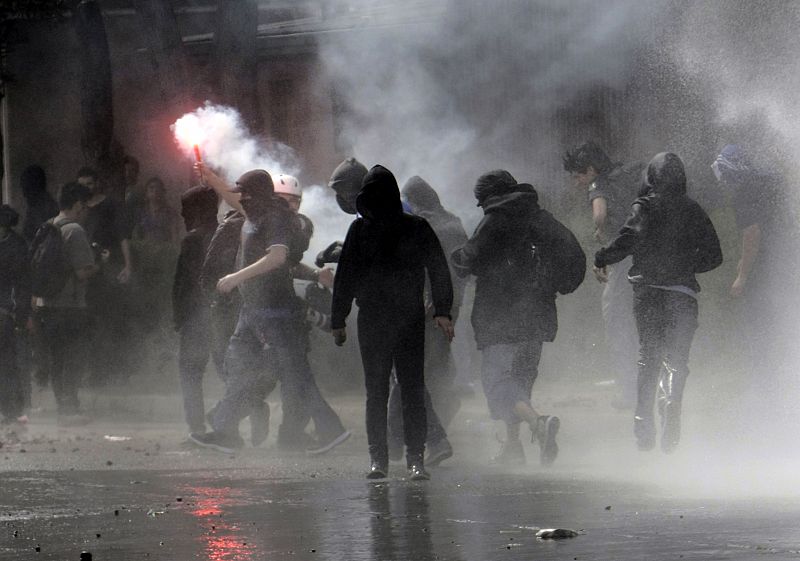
[385, 256]
[510, 305]
[15, 281]
[448, 228]
[199, 211]
[670, 237]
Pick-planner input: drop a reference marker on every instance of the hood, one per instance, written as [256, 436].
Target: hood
[421, 196]
[346, 182]
[199, 206]
[666, 175]
[521, 199]
[379, 198]
[494, 183]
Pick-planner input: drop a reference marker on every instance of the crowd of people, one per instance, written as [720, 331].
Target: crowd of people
[405, 262]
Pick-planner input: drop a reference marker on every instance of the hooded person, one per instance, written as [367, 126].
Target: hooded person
[441, 401]
[671, 240]
[521, 257]
[383, 266]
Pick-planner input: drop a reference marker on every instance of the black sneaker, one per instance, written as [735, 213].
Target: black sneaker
[259, 424]
[416, 470]
[438, 452]
[378, 469]
[218, 441]
[546, 430]
[327, 444]
[511, 454]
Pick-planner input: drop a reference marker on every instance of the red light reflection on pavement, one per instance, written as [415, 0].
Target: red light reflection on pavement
[222, 541]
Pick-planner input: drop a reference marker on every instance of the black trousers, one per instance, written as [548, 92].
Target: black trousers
[387, 341]
[666, 321]
[64, 336]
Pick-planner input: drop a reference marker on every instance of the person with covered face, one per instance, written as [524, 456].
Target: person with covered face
[768, 246]
[671, 240]
[441, 402]
[271, 319]
[521, 257]
[382, 266]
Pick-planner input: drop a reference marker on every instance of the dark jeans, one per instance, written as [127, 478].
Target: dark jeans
[279, 345]
[12, 394]
[195, 347]
[386, 342]
[666, 321]
[64, 335]
[441, 403]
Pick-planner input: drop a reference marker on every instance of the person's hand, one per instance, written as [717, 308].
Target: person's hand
[446, 325]
[339, 336]
[325, 277]
[600, 273]
[599, 236]
[124, 275]
[227, 283]
[737, 288]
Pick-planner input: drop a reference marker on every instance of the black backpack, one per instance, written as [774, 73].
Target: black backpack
[49, 264]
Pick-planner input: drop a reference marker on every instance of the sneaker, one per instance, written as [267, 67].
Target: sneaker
[438, 452]
[645, 431]
[73, 420]
[378, 469]
[218, 441]
[259, 424]
[326, 445]
[416, 470]
[546, 430]
[511, 453]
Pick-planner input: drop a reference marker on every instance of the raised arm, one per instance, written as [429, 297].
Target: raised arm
[220, 186]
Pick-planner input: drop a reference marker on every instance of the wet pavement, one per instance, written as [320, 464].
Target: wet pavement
[134, 490]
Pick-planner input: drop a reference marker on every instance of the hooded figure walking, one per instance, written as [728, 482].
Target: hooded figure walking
[522, 257]
[671, 239]
[383, 263]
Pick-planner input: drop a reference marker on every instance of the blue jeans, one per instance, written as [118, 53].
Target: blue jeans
[273, 348]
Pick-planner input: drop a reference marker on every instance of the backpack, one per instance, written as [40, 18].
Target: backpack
[49, 263]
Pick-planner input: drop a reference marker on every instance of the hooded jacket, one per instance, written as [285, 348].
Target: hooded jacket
[448, 228]
[385, 256]
[199, 211]
[669, 235]
[509, 307]
[346, 183]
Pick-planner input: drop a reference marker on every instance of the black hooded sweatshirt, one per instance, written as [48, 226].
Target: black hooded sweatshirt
[669, 235]
[448, 228]
[385, 256]
[509, 307]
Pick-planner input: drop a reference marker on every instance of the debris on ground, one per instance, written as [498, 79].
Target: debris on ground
[556, 534]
